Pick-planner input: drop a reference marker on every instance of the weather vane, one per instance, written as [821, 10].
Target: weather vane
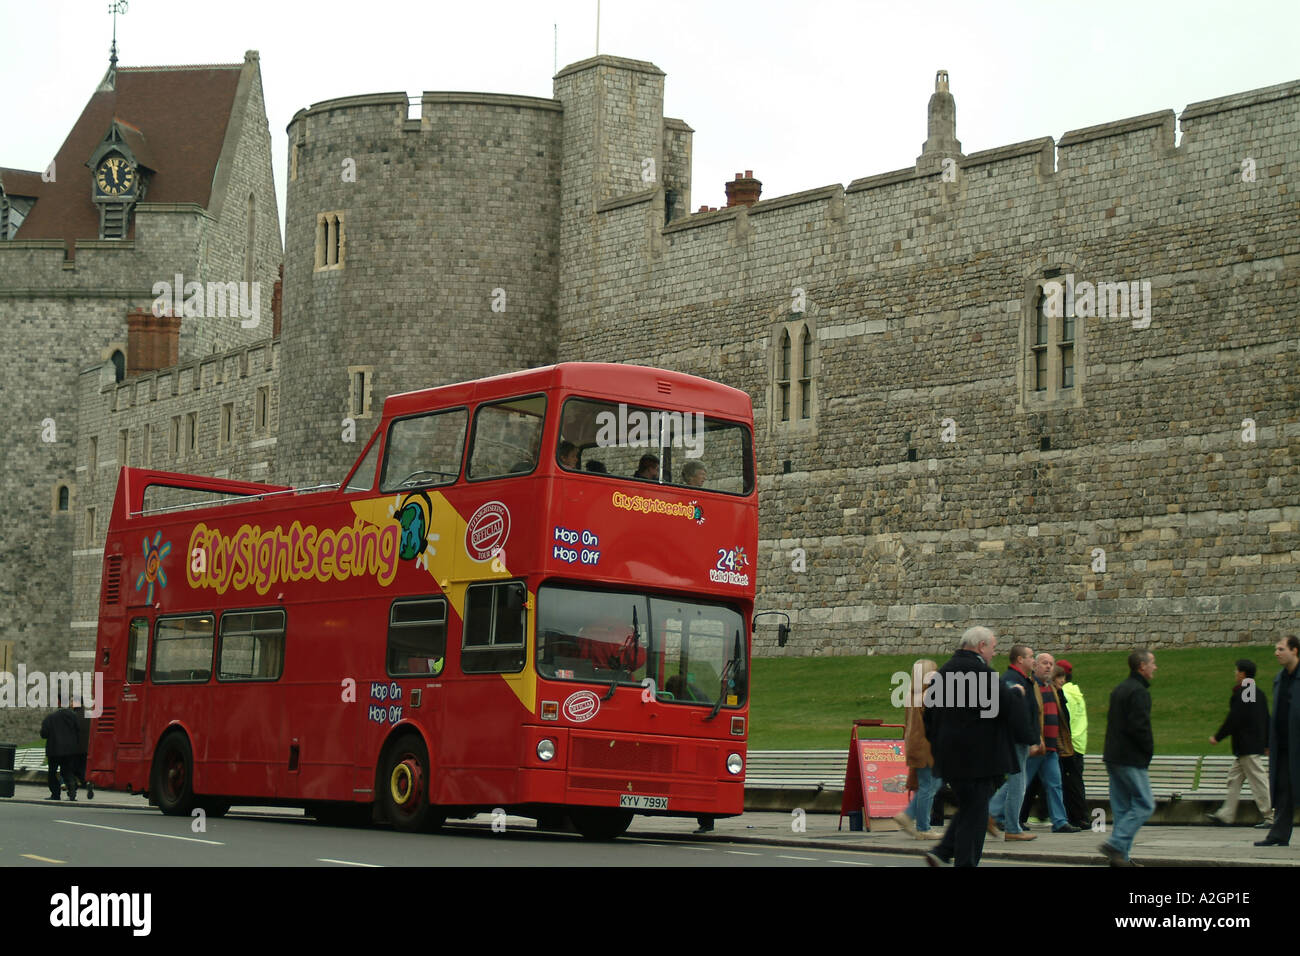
[116, 7]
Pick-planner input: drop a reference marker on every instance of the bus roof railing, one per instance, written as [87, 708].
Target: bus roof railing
[227, 501]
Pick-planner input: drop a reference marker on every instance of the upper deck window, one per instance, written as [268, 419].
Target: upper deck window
[507, 437]
[685, 449]
[424, 450]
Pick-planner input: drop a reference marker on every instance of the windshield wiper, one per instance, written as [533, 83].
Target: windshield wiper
[730, 666]
[635, 641]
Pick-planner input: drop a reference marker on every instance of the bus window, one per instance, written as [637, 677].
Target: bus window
[688, 449]
[252, 645]
[364, 478]
[182, 652]
[417, 637]
[507, 437]
[137, 652]
[425, 450]
[685, 646]
[495, 628]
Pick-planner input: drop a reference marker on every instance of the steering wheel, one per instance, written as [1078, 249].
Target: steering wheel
[410, 479]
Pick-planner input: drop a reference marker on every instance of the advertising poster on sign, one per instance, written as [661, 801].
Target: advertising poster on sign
[884, 776]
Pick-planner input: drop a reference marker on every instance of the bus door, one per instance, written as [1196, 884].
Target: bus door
[485, 702]
[131, 693]
[244, 754]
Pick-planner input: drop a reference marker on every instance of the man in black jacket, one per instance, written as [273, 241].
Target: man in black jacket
[1247, 725]
[1004, 808]
[1129, 748]
[60, 732]
[968, 722]
[1284, 741]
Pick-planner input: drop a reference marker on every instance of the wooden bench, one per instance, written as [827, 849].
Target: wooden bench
[1172, 777]
[1212, 784]
[30, 758]
[781, 779]
[796, 769]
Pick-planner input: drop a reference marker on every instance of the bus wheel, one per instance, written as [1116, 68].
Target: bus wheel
[600, 823]
[214, 808]
[404, 786]
[173, 776]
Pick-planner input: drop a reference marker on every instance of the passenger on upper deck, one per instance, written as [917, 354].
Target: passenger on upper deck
[568, 455]
[694, 473]
[648, 469]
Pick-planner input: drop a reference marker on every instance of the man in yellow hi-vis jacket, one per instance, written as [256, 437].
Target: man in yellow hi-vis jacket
[1076, 800]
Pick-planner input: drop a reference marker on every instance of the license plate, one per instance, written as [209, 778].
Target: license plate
[638, 802]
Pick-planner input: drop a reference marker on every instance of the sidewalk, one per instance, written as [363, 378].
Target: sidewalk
[1156, 845]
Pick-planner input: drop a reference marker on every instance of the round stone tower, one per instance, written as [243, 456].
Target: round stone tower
[418, 251]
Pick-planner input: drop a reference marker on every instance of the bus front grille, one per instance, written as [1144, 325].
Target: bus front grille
[602, 753]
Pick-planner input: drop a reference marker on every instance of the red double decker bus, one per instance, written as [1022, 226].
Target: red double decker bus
[532, 592]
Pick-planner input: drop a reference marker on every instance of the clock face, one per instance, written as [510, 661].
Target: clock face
[115, 176]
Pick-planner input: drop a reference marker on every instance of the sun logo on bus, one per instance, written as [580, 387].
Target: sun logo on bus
[413, 513]
[153, 570]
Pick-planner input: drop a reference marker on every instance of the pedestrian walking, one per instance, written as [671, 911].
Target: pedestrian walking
[1247, 725]
[972, 745]
[1047, 764]
[1284, 742]
[915, 818]
[60, 732]
[1072, 788]
[1129, 748]
[1025, 734]
[83, 748]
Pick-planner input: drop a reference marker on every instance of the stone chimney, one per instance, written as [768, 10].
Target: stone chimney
[744, 190]
[152, 341]
[941, 142]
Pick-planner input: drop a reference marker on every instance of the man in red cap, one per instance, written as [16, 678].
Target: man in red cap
[1076, 799]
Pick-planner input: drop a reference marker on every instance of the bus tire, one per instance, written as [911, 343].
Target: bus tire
[600, 823]
[404, 786]
[173, 775]
[214, 807]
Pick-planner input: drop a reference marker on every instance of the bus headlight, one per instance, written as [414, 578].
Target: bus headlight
[735, 764]
[546, 749]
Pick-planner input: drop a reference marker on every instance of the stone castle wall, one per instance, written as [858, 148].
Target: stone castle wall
[443, 211]
[64, 312]
[920, 293]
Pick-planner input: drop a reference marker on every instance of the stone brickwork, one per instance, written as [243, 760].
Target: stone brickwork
[449, 262]
[65, 312]
[148, 405]
[923, 292]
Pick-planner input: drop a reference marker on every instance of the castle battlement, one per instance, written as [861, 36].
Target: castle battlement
[182, 381]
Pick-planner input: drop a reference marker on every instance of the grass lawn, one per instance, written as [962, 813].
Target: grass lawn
[810, 703]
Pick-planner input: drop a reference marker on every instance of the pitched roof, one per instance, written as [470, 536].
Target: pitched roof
[181, 112]
[20, 182]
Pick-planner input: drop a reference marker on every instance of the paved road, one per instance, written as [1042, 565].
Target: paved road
[81, 834]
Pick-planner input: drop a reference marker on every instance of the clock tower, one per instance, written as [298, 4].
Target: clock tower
[120, 168]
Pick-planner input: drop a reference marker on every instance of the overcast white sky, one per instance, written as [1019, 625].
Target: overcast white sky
[804, 93]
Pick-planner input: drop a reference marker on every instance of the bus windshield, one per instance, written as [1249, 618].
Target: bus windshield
[685, 647]
[686, 449]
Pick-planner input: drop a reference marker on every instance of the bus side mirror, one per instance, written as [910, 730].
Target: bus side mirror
[782, 634]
